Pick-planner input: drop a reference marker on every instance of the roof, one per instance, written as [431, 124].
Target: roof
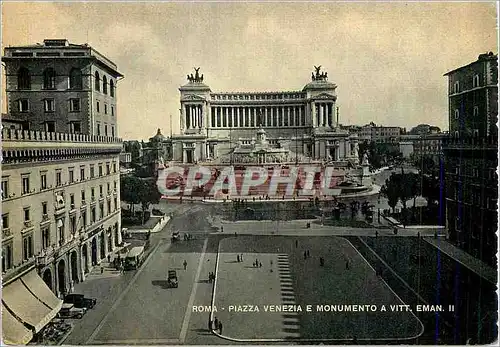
[320, 85]
[481, 58]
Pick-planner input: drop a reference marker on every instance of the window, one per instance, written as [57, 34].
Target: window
[104, 85]
[72, 200]
[100, 191]
[97, 107]
[97, 82]
[456, 87]
[114, 168]
[26, 185]
[5, 188]
[75, 79]
[100, 170]
[476, 111]
[92, 171]
[105, 108]
[72, 224]
[457, 135]
[98, 129]
[6, 257]
[111, 89]
[83, 197]
[115, 203]
[5, 221]
[71, 174]
[44, 208]
[115, 185]
[92, 193]
[43, 180]
[49, 78]
[75, 127]
[58, 178]
[27, 246]
[475, 81]
[23, 105]
[82, 173]
[112, 111]
[475, 132]
[457, 170]
[92, 215]
[105, 130]
[26, 214]
[112, 131]
[457, 113]
[108, 169]
[74, 105]
[45, 238]
[23, 79]
[48, 105]
[475, 172]
[60, 229]
[50, 127]
[109, 206]
[84, 219]
[101, 211]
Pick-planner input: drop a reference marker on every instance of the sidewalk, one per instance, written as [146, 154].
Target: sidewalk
[464, 258]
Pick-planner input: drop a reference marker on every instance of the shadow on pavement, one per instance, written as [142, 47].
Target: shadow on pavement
[160, 283]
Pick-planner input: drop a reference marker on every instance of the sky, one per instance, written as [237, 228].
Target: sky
[387, 59]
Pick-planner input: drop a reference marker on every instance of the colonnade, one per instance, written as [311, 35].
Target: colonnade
[193, 116]
[324, 114]
[269, 116]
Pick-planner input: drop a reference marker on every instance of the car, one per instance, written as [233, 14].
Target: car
[80, 301]
[172, 280]
[70, 311]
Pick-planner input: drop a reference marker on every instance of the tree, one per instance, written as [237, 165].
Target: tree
[148, 194]
[413, 181]
[129, 190]
[390, 190]
[430, 189]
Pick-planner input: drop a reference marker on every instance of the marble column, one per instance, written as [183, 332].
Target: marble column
[313, 114]
[265, 116]
[202, 124]
[183, 117]
[300, 116]
[289, 115]
[322, 114]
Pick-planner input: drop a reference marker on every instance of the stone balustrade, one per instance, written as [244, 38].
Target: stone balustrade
[30, 135]
[471, 142]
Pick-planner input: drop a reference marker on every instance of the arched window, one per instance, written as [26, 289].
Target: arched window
[97, 82]
[23, 78]
[111, 88]
[104, 85]
[49, 78]
[75, 79]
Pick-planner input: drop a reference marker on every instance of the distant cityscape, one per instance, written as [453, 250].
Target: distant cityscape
[71, 187]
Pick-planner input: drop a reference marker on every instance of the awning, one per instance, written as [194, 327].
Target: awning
[38, 287]
[27, 306]
[13, 331]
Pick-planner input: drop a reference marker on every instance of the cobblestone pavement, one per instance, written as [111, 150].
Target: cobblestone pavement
[298, 281]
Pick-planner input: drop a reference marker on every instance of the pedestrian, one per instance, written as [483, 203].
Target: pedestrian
[185, 264]
[102, 269]
[235, 235]
[260, 264]
[221, 229]
[256, 263]
[347, 264]
[238, 258]
[376, 233]
[216, 323]
[209, 324]
[296, 243]
[305, 254]
[220, 328]
[109, 258]
[241, 257]
[308, 254]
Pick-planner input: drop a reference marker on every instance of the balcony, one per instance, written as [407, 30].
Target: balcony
[28, 224]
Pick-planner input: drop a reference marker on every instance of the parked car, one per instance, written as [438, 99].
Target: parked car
[172, 280]
[80, 301]
[70, 311]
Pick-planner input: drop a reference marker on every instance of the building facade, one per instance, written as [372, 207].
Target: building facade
[379, 133]
[304, 122]
[62, 87]
[60, 176]
[471, 158]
